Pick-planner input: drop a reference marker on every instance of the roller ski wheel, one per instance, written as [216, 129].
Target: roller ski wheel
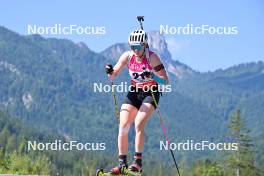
[131, 173]
[100, 172]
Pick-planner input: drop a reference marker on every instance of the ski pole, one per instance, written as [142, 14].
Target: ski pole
[164, 131]
[140, 19]
[109, 69]
[115, 100]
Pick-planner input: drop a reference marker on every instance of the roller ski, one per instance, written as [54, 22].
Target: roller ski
[126, 172]
[121, 171]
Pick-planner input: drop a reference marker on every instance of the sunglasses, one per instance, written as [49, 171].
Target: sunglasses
[136, 47]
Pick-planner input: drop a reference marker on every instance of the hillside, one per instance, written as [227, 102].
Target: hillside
[49, 84]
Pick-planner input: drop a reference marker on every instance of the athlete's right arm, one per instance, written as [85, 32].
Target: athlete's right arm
[121, 63]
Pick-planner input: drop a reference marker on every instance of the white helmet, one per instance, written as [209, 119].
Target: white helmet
[137, 37]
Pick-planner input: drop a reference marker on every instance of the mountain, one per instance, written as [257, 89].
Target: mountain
[234, 82]
[158, 44]
[49, 83]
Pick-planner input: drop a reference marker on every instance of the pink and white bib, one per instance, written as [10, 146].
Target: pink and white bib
[136, 69]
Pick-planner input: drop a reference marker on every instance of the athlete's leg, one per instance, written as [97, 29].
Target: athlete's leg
[143, 115]
[127, 115]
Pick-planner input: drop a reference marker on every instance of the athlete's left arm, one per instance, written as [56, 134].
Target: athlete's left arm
[160, 74]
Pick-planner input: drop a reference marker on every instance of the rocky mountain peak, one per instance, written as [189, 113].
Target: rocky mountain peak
[158, 44]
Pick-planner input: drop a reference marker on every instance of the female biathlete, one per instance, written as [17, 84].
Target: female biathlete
[146, 72]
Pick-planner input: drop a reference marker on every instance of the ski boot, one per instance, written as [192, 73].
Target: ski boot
[134, 169]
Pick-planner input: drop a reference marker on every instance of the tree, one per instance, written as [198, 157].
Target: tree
[207, 168]
[241, 162]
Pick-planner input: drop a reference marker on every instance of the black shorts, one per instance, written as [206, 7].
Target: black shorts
[136, 98]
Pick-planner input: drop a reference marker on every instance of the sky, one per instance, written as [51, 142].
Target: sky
[202, 52]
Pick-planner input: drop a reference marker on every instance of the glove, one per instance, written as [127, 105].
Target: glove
[109, 69]
[147, 74]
